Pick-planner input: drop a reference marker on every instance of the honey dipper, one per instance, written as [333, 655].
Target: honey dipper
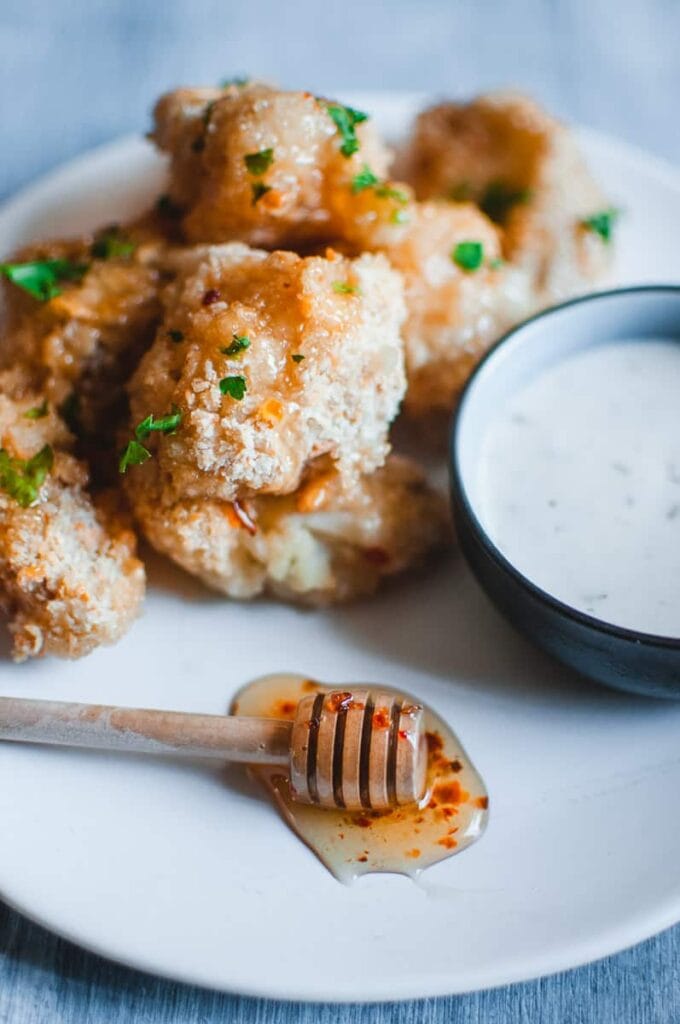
[354, 750]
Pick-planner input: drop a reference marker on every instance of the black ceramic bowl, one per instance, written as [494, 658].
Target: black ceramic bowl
[622, 658]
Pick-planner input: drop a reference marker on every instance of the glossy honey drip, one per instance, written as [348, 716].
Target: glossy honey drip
[451, 816]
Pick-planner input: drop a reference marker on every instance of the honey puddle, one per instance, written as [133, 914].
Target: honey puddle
[406, 840]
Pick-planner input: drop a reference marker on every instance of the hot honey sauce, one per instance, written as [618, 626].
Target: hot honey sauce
[404, 840]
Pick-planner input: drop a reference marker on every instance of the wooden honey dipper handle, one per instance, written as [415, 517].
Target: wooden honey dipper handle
[350, 750]
[145, 731]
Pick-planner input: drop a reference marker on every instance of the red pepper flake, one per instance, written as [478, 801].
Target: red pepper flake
[381, 718]
[244, 518]
[363, 822]
[456, 766]
[362, 859]
[482, 801]
[448, 842]
[212, 295]
[403, 735]
[451, 792]
[414, 853]
[339, 701]
[285, 709]
[376, 556]
[434, 742]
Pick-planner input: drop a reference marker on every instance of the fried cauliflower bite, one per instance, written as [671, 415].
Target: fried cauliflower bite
[460, 296]
[272, 360]
[255, 164]
[525, 170]
[69, 578]
[325, 543]
[80, 345]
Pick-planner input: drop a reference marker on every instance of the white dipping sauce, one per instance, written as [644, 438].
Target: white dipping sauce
[579, 483]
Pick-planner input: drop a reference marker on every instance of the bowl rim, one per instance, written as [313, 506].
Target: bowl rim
[461, 497]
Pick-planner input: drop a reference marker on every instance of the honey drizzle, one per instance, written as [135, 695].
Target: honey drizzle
[406, 840]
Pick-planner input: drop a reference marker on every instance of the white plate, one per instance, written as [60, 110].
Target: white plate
[181, 870]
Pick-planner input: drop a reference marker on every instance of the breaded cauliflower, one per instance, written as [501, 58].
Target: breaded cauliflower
[69, 578]
[271, 360]
[80, 345]
[525, 170]
[460, 295]
[255, 164]
[325, 543]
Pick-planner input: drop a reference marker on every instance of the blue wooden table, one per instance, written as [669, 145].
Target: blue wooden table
[74, 73]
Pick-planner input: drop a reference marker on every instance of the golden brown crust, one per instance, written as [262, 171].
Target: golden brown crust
[338, 399]
[326, 543]
[208, 134]
[507, 140]
[69, 578]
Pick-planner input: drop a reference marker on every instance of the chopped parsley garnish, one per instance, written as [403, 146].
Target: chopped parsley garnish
[259, 189]
[112, 243]
[259, 163]
[176, 336]
[346, 119]
[167, 208]
[235, 387]
[387, 192]
[69, 410]
[399, 217]
[364, 179]
[37, 412]
[468, 255]
[238, 80]
[40, 278]
[499, 198]
[602, 223]
[134, 453]
[239, 344]
[165, 425]
[343, 288]
[297, 357]
[23, 478]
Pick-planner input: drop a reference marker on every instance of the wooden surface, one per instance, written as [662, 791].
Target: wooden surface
[79, 72]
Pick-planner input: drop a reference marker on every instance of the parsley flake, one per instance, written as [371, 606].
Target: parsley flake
[238, 80]
[134, 454]
[602, 223]
[259, 189]
[260, 162]
[175, 336]
[399, 217]
[37, 412]
[235, 387]
[364, 179]
[387, 192]
[346, 119]
[23, 478]
[239, 344]
[40, 278]
[112, 243]
[499, 198]
[344, 288]
[297, 357]
[468, 255]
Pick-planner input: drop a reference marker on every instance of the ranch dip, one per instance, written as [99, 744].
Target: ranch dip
[579, 483]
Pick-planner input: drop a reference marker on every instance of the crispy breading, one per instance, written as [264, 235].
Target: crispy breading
[524, 167]
[214, 138]
[325, 543]
[321, 369]
[69, 578]
[85, 341]
[454, 312]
